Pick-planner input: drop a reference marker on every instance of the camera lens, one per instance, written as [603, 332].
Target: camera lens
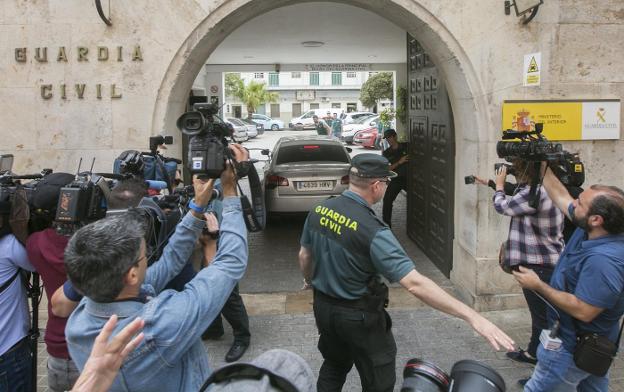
[191, 123]
[423, 376]
[473, 376]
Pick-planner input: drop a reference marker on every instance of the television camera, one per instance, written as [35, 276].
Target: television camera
[208, 152]
[533, 147]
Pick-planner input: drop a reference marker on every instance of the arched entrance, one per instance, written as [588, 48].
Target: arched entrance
[453, 67]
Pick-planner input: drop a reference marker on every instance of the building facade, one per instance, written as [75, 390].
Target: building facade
[300, 91]
[73, 86]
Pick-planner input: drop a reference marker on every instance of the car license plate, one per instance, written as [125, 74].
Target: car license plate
[315, 185]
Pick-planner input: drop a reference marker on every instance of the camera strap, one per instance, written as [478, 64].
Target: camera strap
[6, 284]
[253, 212]
[162, 167]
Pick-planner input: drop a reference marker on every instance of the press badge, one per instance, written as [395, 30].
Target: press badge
[551, 344]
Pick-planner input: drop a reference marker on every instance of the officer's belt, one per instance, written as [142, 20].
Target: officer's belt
[362, 303]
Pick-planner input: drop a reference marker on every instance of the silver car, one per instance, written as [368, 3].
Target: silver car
[303, 171]
[240, 130]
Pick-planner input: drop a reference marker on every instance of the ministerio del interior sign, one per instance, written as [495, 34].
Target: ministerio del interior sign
[566, 119]
[83, 55]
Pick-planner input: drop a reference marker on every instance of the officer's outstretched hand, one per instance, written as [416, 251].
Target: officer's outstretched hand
[492, 333]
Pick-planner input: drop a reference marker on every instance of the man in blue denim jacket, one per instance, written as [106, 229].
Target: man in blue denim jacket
[106, 261]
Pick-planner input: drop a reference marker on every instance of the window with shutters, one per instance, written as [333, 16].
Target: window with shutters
[336, 78]
[314, 78]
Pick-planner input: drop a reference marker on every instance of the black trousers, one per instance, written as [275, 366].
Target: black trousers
[394, 188]
[235, 313]
[537, 308]
[351, 336]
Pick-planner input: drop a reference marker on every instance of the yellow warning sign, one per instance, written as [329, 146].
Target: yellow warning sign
[532, 69]
[533, 65]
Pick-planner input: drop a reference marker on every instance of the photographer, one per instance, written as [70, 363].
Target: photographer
[15, 355]
[534, 241]
[587, 288]
[106, 261]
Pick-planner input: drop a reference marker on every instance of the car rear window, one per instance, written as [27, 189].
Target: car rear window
[312, 152]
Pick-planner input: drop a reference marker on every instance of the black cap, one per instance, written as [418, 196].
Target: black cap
[371, 166]
[388, 133]
[48, 189]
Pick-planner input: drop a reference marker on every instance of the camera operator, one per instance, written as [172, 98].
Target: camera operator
[45, 249]
[15, 355]
[510, 189]
[587, 286]
[107, 262]
[534, 241]
[344, 249]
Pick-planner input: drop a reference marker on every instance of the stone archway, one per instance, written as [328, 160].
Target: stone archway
[464, 89]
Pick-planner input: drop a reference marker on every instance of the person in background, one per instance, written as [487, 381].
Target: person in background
[336, 126]
[15, 355]
[397, 154]
[233, 310]
[321, 126]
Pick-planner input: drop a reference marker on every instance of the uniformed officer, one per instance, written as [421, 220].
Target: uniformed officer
[344, 249]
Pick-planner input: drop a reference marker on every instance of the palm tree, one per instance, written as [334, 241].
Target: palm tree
[252, 95]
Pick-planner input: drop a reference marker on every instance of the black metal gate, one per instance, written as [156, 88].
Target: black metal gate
[432, 154]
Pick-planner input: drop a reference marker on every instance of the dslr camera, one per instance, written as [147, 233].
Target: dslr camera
[208, 141]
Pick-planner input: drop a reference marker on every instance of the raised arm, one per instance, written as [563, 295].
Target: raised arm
[62, 305]
[557, 192]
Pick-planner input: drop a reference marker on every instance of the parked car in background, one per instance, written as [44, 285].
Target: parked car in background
[240, 130]
[305, 120]
[350, 118]
[303, 171]
[349, 130]
[252, 127]
[267, 122]
[368, 138]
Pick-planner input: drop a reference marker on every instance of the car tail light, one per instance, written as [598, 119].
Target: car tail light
[277, 181]
[311, 147]
[344, 180]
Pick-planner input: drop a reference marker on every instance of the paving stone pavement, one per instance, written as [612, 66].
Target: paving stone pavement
[422, 333]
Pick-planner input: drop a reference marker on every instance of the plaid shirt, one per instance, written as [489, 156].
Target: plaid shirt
[535, 235]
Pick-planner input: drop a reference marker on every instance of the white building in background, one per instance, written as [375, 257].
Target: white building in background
[300, 91]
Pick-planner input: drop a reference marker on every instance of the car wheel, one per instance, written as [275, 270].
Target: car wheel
[299, 127]
[274, 127]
